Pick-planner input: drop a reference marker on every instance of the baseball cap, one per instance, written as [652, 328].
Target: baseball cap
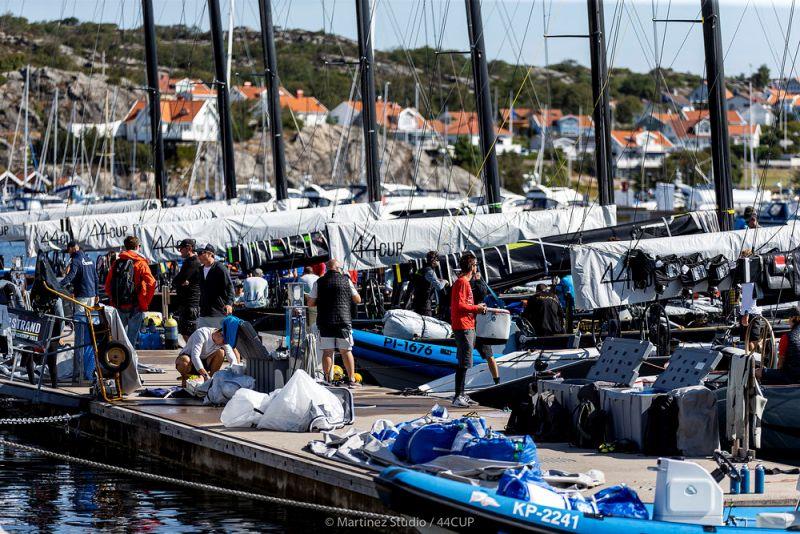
[208, 247]
[186, 243]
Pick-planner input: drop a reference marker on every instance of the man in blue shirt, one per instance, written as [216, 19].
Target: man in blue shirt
[744, 221]
[82, 275]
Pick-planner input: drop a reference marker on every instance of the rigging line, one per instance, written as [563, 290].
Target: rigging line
[766, 37]
[782, 101]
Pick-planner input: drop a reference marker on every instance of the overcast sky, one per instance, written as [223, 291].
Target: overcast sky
[753, 32]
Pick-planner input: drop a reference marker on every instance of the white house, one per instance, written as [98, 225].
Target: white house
[401, 123]
[634, 148]
[181, 120]
[762, 114]
[454, 124]
[575, 126]
[305, 108]
[9, 184]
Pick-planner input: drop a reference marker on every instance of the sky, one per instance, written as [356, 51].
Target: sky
[753, 32]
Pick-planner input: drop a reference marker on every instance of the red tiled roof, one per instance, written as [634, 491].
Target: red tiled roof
[180, 110]
[465, 123]
[250, 91]
[627, 138]
[697, 115]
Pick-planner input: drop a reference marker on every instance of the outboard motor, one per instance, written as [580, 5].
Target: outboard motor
[687, 493]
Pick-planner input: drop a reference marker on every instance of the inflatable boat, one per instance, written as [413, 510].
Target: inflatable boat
[459, 506]
[401, 363]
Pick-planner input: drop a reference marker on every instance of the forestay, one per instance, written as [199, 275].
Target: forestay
[389, 242]
[12, 222]
[159, 240]
[602, 280]
[108, 231]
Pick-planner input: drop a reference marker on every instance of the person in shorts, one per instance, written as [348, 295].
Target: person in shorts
[333, 295]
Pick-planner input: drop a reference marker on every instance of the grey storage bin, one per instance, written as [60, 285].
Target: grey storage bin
[270, 370]
[627, 409]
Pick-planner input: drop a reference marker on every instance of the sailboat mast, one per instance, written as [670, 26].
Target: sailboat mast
[718, 113]
[26, 133]
[273, 97]
[601, 113]
[156, 137]
[223, 102]
[55, 139]
[364, 18]
[483, 100]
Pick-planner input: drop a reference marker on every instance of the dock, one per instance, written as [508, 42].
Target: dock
[188, 433]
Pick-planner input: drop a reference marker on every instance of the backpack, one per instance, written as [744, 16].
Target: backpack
[123, 288]
[693, 271]
[719, 269]
[661, 429]
[541, 416]
[641, 268]
[590, 420]
[667, 269]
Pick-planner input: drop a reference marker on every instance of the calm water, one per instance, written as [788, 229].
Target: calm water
[42, 495]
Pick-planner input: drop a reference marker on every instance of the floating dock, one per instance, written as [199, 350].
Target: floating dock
[188, 433]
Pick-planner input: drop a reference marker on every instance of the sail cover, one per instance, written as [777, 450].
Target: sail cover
[388, 242]
[108, 231]
[602, 279]
[12, 222]
[159, 240]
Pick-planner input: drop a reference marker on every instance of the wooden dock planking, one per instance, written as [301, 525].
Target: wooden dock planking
[190, 433]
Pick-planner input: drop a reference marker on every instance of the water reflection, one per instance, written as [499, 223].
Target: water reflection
[37, 494]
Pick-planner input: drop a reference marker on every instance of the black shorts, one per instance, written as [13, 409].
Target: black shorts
[187, 320]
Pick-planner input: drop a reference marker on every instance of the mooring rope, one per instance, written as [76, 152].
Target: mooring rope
[40, 420]
[198, 485]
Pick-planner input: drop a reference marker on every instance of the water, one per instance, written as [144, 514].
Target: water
[38, 494]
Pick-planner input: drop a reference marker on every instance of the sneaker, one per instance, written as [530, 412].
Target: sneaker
[462, 401]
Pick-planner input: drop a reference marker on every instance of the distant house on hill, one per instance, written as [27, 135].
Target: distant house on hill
[181, 121]
[186, 88]
[575, 126]
[464, 124]
[10, 185]
[633, 149]
[247, 91]
[306, 108]
[401, 123]
[700, 94]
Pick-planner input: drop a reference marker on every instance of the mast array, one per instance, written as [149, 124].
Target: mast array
[223, 99]
[601, 113]
[366, 66]
[154, 94]
[483, 100]
[273, 97]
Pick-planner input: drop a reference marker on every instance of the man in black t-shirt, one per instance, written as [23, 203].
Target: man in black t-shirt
[187, 289]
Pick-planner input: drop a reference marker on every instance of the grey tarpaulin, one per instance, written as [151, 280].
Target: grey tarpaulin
[12, 222]
[130, 376]
[108, 231]
[744, 403]
[698, 426]
[389, 242]
[601, 280]
[159, 240]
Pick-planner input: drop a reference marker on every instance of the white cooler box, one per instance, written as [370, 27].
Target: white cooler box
[493, 327]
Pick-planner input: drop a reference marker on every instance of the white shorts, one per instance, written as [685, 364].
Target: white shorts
[333, 343]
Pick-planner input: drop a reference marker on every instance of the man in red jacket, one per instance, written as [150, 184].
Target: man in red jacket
[130, 286]
[462, 317]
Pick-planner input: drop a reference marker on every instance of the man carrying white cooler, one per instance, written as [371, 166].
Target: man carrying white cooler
[462, 317]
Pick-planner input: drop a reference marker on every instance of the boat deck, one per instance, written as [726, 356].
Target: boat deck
[186, 431]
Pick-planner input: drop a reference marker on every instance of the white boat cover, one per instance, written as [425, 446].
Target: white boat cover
[601, 280]
[108, 231]
[159, 240]
[12, 222]
[389, 242]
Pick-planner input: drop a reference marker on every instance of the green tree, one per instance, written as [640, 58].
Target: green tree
[513, 168]
[628, 109]
[465, 155]
[760, 78]
[289, 122]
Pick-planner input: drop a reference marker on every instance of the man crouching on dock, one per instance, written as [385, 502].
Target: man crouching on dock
[204, 353]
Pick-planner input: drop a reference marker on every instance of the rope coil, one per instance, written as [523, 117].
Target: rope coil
[197, 485]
